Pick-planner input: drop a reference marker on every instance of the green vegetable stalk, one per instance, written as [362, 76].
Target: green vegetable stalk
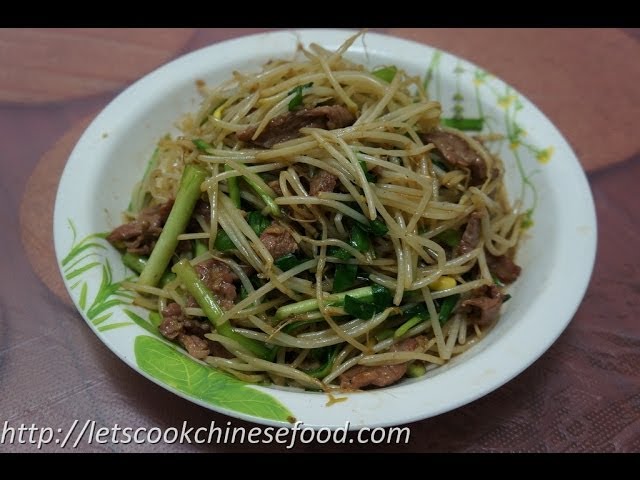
[376, 297]
[447, 308]
[188, 194]
[207, 302]
[312, 303]
[386, 73]
[200, 249]
[234, 188]
[345, 277]
[325, 369]
[274, 209]
[137, 264]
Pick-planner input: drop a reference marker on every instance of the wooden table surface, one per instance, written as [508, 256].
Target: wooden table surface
[582, 395]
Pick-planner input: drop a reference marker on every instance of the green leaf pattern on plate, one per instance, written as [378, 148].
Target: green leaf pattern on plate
[486, 91]
[154, 355]
[83, 257]
[179, 371]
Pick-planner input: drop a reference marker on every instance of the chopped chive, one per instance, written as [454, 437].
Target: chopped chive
[406, 326]
[382, 297]
[449, 237]
[311, 304]
[288, 261]
[200, 248]
[325, 369]
[201, 144]
[296, 101]
[377, 227]
[291, 328]
[338, 252]
[274, 209]
[386, 73]
[384, 334]
[243, 293]
[367, 174]
[418, 310]
[345, 277]
[447, 307]
[234, 188]
[359, 239]
[358, 308]
[258, 222]
[223, 243]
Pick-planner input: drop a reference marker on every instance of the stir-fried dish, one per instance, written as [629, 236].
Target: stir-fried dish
[315, 226]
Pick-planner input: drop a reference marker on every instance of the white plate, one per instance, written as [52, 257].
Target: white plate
[557, 257]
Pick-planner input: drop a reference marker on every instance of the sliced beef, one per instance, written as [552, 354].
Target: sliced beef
[195, 346]
[278, 241]
[484, 305]
[140, 235]
[217, 350]
[287, 126]
[175, 323]
[275, 186]
[322, 181]
[201, 209]
[362, 376]
[503, 267]
[458, 154]
[218, 278]
[189, 332]
[172, 321]
[471, 235]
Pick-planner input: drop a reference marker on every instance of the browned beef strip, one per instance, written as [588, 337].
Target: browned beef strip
[484, 305]
[173, 321]
[322, 181]
[189, 332]
[176, 323]
[471, 236]
[195, 346]
[287, 126]
[278, 241]
[458, 154]
[275, 186]
[362, 376]
[140, 235]
[218, 278]
[202, 209]
[217, 350]
[503, 267]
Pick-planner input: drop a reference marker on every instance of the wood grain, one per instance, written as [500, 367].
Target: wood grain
[44, 65]
[585, 80]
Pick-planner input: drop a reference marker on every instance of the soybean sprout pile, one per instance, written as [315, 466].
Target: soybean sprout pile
[315, 226]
